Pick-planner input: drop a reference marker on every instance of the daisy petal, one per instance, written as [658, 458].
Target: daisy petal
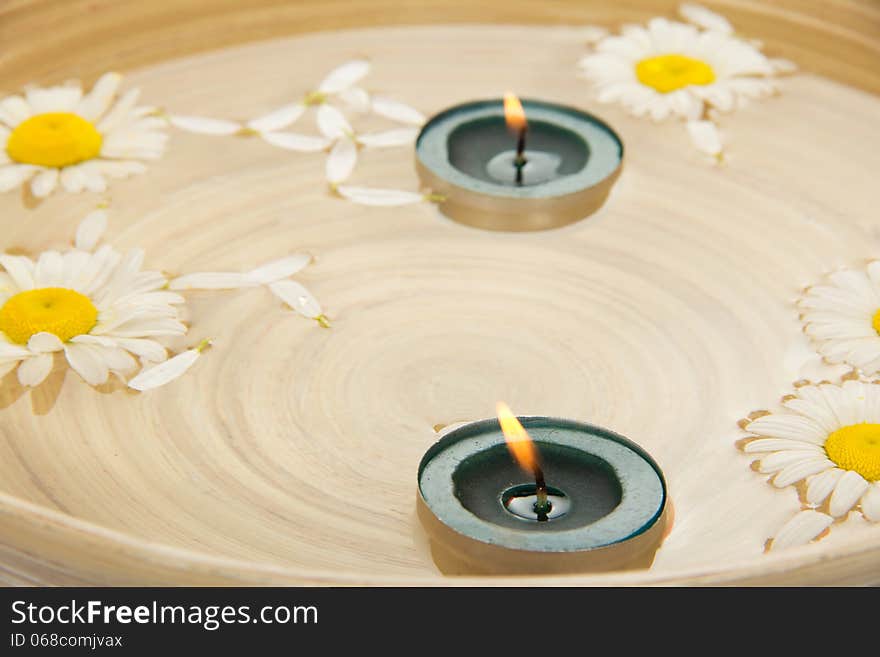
[211, 281]
[295, 142]
[20, 268]
[165, 372]
[12, 176]
[205, 126]
[847, 492]
[14, 110]
[356, 98]
[821, 485]
[397, 111]
[53, 99]
[341, 161]
[120, 112]
[278, 269]
[33, 371]
[146, 350]
[90, 230]
[398, 137]
[793, 427]
[87, 361]
[783, 66]
[44, 183]
[332, 123]
[381, 197]
[44, 343]
[95, 103]
[73, 179]
[344, 76]
[801, 529]
[702, 17]
[779, 444]
[800, 470]
[871, 503]
[277, 119]
[297, 297]
[705, 137]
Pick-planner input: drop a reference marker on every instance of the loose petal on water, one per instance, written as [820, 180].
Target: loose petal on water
[295, 142]
[397, 111]
[705, 136]
[332, 123]
[297, 297]
[341, 161]
[219, 280]
[165, 372]
[205, 126]
[277, 119]
[801, 529]
[381, 197]
[278, 269]
[344, 76]
[398, 137]
[91, 229]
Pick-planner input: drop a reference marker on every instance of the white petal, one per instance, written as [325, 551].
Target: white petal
[205, 126]
[88, 362]
[295, 142]
[44, 183]
[783, 66]
[13, 175]
[397, 111]
[332, 123]
[14, 110]
[53, 99]
[398, 137]
[95, 103]
[847, 492]
[356, 98]
[165, 372]
[801, 529]
[20, 268]
[278, 269]
[33, 371]
[793, 427]
[344, 76]
[211, 281]
[6, 368]
[341, 161]
[90, 230]
[871, 503]
[784, 458]
[704, 18]
[801, 470]
[705, 136]
[73, 179]
[297, 297]
[382, 197]
[779, 444]
[120, 112]
[277, 119]
[49, 270]
[147, 350]
[820, 486]
[45, 343]
[10, 351]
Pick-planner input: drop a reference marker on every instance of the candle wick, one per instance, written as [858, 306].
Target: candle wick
[520, 160]
[542, 504]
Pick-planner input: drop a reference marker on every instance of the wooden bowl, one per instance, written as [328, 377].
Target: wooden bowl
[288, 455]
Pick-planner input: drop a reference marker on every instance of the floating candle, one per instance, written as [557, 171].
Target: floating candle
[558, 167]
[603, 506]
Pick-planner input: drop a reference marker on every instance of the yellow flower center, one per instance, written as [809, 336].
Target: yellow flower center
[55, 139]
[667, 73]
[856, 447]
[876, 322]
[65, 313]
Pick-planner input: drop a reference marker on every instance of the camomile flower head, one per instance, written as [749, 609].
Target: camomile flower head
[99, 309]
[828, 438]
[670, 69]
[60, 136]
[843, 318]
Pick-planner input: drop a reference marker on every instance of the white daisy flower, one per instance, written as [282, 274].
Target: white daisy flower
[340, 84]
[671, 69]
[843, 318]
[829, 438]
[100, 309]
[58, 135]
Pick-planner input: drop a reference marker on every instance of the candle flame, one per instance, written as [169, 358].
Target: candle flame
[518, 440]
[514, 114]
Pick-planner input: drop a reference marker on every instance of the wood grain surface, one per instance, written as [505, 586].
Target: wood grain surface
[289, 453]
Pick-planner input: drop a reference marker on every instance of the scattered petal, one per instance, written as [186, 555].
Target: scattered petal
[294, 142]
[397, 111]
[277, 119]
[167, 371]
[344, 76]
[297, 297]
[356, 98]
[332, 123]
[801, 529]
[380, 197]
[398, 137]
[705, 136]
[205, 126]
[341, 161]
[278, 269]
[91, 229]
